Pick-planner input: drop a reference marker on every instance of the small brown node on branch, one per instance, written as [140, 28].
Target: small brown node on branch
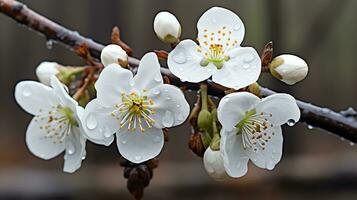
[229, 91]
[161, 54]
[166, 80]
[116, 39]
[82, 50]
[195, 143]
[165, 131]
[267, 56]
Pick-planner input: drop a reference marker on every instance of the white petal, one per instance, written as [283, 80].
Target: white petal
[137, 146]
[271, 155]
[111, 82]
[214, 164]
[98, 124]
[41, 147]
[235, 159]
[34, 97]
[184, 62]
[59, 90]
[215, 18]
[242, 69]
[283, 108]
[232, 108]
[75, 151]
[148, 75]
[171, 107]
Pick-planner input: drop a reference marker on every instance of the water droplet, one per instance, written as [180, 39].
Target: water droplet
[138, 158]
[70, 149]
[352, 144]
[84, 155]
[107, 134]
[156, 92]
[168, 98]
[246, 66]
[310, 127]
[131, 83]
[325, 110]
[270, 165]
[49, 44]
[178, 106]
[26, 93]
[180, 58]
[236, 27]
[157, 139]
[168, 119]
[91, 122]
[158, 78]
[209, 70]
[124, 141]
[291, 122]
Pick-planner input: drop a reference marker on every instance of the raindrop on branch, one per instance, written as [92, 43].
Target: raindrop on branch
[49, 44]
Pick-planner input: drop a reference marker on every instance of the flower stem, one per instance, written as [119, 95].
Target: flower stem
[204, 97]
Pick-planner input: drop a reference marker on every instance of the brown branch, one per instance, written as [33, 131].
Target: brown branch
[339, 124]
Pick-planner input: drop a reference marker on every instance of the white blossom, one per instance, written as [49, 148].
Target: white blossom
[45, 70]
[135, 108]
[251, 129]
[213, 163]
[167, 27]
[219, 54]
[289, 68]
[113, 54]
[56, 126]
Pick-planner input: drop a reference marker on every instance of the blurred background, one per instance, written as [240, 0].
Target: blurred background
[315, 164]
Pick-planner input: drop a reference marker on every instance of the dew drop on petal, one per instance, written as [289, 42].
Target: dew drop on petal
[248, 58]
[84, 155]
[91, 122]
[107, 134]
[131, 83]
[246, 66]
[179, 58]
[236, 27]
[167, 119]
[158, 78]
[137, 158]
[156, 91]
[270, 165]
[70, 149]
[124, 142]
[26, 93]
[291, 122]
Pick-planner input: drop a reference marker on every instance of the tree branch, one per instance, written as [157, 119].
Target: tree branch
[339, 124]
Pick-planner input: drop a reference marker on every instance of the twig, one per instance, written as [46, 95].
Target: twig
[323, 118]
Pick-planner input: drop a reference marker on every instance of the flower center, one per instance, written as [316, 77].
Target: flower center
[214, 45]
[57, 123]
[134, 111]
[255, 131]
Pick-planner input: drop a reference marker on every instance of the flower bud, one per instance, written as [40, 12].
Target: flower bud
[289, 68]
[204, 120]
[114, 54]
[167, 27]
[213, 162]
[45, 70]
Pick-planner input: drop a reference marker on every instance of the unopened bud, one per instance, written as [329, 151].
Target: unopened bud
[289, 68]
[204, 120]
[114, 54]
[45, 70]
[167, 27]
[214, 164]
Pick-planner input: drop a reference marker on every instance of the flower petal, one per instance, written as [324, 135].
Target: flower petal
[215, 18]
[234, 157]
[242, 69]
[148, 75]
[98, 124]
[62, 94]
[170, 105]
[40, 146]
[111, 82]
[35, 97]
[232, 108]
[137, 146]
[283, 108]
[184, 62]
[75, 151]
[271, 155]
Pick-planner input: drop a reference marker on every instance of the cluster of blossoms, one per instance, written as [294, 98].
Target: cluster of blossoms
[135, 109]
